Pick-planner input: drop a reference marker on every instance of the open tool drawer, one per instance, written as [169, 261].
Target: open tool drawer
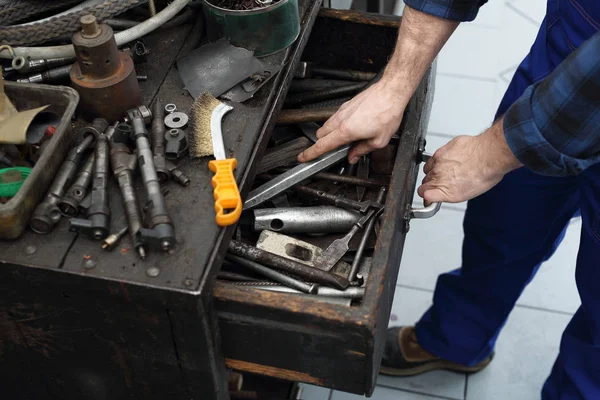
[300, 338]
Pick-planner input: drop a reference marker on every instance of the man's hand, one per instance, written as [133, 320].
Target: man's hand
[467, 167]
[369, 119]
[373, 116]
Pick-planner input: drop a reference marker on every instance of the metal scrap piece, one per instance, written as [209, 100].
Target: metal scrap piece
[217, 67]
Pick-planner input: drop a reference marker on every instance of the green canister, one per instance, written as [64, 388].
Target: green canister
[265, 30]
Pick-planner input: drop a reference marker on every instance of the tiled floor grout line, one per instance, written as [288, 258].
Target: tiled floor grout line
[466, 385]
[522, 14]
[469, 77]
[330, 395]
[420, 289]
[415, 392]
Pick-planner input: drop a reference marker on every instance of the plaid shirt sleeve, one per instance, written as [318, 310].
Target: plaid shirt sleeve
[554, 128]
[456, 10]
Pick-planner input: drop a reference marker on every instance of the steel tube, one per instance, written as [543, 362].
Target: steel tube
[320, 219]
[274, 275]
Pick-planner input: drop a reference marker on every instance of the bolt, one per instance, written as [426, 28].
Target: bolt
[165, 245]
[153, 272]
[89, 26]
[97, 234]
[30, 250]
[141, 252]
[89, 263]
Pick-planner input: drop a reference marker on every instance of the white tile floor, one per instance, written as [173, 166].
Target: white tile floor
[474, 70]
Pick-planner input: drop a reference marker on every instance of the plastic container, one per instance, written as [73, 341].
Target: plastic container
[14, 215]
[265, 30]
[11, 189]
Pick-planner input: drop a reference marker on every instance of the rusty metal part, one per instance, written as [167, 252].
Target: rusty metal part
[47, 213]
[123, 164]
[113, 239]
[363, 241]
[274, 275]
[297, 116]
[308, 70]
[297, 250]
[351, 180]
[104, 76]
[339, 247]
[69, 205]
[300, 99]
[311, 85]
[355, 293]
[362, 172]
[54, 75]
[97, 223]
[161, 233]
[338, 200]
[301, 270]
[320, 219]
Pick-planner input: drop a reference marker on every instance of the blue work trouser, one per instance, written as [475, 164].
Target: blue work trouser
[513, 228]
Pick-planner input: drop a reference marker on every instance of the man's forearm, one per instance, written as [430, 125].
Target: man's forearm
[421, 36]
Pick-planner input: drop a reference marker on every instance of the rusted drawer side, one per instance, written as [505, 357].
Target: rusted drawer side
[302, 339]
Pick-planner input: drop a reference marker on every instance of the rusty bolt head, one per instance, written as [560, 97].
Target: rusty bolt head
[89, 26]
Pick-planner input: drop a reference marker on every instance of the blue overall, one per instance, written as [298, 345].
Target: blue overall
[513, 228]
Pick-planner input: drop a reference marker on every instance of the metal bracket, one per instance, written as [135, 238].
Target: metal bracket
[433, 208]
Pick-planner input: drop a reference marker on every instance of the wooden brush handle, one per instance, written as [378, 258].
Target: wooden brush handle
[297, 116]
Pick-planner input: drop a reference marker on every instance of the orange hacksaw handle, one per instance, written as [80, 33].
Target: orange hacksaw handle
[226, 192]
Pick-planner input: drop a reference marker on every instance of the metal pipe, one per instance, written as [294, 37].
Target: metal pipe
[161, 233]
[274, 275]
[365, 237]
[69, 205]
[300, 99]
[320, 219]
[355, 293]
[301, 270]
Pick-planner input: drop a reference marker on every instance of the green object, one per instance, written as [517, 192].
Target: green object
[265, 30]
[11, 189]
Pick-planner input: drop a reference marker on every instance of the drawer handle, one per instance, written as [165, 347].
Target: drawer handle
[430, 210]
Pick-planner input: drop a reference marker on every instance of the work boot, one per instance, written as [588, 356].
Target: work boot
[404, 356]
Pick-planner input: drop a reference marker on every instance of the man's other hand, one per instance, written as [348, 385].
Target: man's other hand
[467, 166]
[369, 120]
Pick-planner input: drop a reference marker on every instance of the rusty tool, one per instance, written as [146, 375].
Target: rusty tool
[308, 70]
[274, 275]
[338, 200]
[293, 177]
[339, 247]
[311, 85]
[300, 99]
[301, 270]
[365, 238]
[297, 116]
[104, 76]
[362, 172]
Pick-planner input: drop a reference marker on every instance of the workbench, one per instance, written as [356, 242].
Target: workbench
[78, 322]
